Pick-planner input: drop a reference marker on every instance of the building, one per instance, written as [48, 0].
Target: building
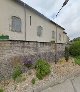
[19, 21]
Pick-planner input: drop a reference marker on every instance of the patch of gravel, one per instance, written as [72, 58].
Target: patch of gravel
[59, 72]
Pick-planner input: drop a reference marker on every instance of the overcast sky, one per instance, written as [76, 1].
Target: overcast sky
[69, 17]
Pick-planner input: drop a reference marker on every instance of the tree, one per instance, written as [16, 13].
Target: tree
[75, 48]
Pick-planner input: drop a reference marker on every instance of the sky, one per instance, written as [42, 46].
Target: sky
[69, 17]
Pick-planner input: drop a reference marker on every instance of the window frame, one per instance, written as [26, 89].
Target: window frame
[60, 37]
[53, 34]
[19, 20]
[30, 20]
[39, 31]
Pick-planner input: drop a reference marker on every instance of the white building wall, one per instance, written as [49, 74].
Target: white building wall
[9, 8]
[32, 30]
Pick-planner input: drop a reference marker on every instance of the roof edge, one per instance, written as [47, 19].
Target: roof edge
[40, 14]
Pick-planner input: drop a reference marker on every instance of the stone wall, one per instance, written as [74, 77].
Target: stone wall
[12, 52]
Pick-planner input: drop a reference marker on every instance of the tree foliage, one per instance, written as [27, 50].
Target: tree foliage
[75, 48]
[76, 39]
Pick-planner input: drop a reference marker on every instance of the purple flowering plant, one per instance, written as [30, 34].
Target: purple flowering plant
[27, 62]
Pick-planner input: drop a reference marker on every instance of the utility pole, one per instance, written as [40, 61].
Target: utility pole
[66, 1]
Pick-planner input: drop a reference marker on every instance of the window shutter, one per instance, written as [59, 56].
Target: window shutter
[53, 34]
[16, 24]
[39, 31]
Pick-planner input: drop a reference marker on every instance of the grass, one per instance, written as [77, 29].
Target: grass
[16, 72]
[20, 79]
[1, 90]
[77, 60]
[33, 81]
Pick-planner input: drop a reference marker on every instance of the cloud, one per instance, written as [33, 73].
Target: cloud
[69, 16]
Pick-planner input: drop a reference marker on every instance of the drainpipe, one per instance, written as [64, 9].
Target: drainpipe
[56, 46]
[25, 19]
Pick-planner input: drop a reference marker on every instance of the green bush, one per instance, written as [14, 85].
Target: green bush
[74, 49]
[20, 79]
[33, 81]
[77, 60]
[66, 53]
[1, 90]
[16, 72]
[42, 69]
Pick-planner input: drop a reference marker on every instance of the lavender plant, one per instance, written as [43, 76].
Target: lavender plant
[27, 63]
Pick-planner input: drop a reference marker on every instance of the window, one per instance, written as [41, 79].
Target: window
[16, 24]
[39, 31]
[60, 37]
[53, 34]
[30, 20]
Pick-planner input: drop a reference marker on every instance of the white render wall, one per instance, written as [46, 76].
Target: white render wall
[9, 8]
[32, 30]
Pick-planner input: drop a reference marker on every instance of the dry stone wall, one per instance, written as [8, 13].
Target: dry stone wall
[12, 52]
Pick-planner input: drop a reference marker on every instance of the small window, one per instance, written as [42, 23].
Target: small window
[53, 34]
[16, 24]
[30, 20]
[60, 37]
[39, 31]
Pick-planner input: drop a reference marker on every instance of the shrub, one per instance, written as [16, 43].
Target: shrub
[75, 48]
[16, 72]
[42, 69]
[1, 90]
[20, 79]
[66, 53]
[27, 63]
[33, 81]
[77, 60]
